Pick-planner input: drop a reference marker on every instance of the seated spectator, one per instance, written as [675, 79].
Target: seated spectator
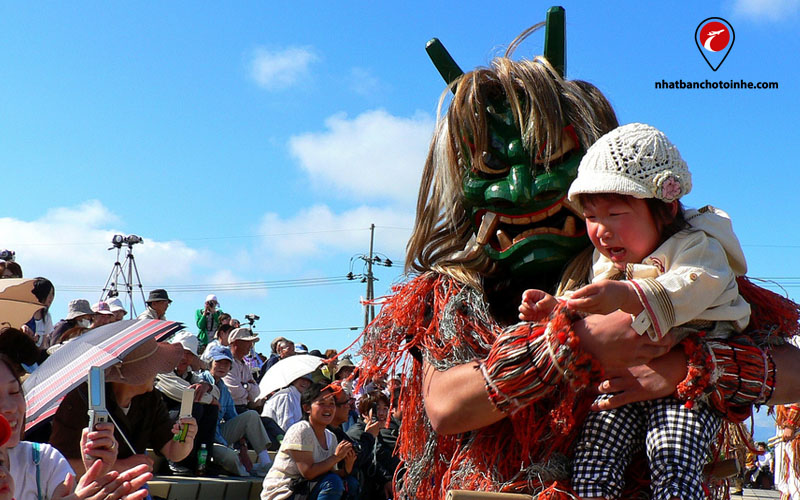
[235, 323]
[51, 476]
[10, 269]
[140, 414]
[282, 349]
[240, 381]
[309, 454]
[374, 420]
[102, 314]
[220, 340]
[187, 376]
[344, 369]
[284, 407]
[273, 355]
[232, 425]
[78, 320]
[157, 303]
[207, 320]
[117, 308]
[41, 324]
[363, 470]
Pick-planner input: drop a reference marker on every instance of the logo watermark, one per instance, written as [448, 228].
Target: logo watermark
[714, 38]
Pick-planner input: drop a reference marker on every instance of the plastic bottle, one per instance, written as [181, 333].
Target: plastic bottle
[202, 459]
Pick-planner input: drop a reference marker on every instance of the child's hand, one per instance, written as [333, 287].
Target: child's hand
[536, 305]
[606, 297]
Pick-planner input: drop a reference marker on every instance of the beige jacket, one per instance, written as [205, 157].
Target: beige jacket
[691, 276]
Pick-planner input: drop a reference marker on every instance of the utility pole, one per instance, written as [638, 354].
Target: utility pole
[374, 258]
[369, 309]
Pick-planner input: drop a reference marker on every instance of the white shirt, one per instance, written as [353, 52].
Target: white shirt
[53, 470]
[284, 407]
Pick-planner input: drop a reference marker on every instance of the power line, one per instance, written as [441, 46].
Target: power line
[206, 238]
[236, 286]
[352, 328]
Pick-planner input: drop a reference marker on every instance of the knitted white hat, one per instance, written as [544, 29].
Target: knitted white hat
[636, 160]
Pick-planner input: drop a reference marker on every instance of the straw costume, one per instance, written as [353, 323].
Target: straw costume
[493, 220]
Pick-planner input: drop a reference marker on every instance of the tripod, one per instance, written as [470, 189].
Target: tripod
[123, 274]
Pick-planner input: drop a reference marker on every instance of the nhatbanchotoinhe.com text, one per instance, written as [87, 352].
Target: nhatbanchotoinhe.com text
[718, 84]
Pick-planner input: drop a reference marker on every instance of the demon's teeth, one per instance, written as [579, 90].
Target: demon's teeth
[503, 239]
[569, 226]
[554, 210]
[572, 208]
[519, 221]
[488, 225]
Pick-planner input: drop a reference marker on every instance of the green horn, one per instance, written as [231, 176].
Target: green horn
[555, 39]
[443, 61]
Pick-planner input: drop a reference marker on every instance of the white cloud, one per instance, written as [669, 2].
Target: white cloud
[362, 82]
[373, 156]
[318, 231]
[70, 245]
[280, 69]
[769, 10]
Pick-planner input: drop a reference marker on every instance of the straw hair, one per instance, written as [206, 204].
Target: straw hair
[542, 103]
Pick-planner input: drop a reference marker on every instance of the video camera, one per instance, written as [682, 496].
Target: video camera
[7, 255]
[118, 240]
[252, 317]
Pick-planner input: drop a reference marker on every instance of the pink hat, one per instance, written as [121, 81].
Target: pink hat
[102, 308]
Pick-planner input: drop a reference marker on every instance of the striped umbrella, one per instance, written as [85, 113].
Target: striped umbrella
[68, 367]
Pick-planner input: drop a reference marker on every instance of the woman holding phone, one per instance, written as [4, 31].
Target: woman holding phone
[57, 479]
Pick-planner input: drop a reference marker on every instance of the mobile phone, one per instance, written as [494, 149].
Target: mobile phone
[187, 400]
[97, 397]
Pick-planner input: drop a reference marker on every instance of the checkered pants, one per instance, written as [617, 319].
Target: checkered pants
[676, 441]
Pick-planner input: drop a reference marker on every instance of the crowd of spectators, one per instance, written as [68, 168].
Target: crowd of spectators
[352, 433]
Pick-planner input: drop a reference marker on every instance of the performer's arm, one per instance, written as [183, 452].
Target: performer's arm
[471, 396]
[456, 400]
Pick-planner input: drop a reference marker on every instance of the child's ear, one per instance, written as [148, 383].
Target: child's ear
[673, 208]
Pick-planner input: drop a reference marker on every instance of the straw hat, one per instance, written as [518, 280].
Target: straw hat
[145, 362]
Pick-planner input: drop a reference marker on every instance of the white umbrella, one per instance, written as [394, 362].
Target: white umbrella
[286, 371]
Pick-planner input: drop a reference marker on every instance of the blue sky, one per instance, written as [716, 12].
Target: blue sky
[257, 141]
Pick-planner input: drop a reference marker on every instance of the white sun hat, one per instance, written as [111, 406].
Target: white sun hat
[635, 160]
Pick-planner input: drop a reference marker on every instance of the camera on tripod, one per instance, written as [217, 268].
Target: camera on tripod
[118, 240]
[7, 255]
[251, 318]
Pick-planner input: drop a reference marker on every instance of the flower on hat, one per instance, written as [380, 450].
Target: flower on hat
[668, 186]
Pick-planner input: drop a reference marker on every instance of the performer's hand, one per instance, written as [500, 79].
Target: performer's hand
[536, 305]
[612, 341]
[606, 297]
[654, 380]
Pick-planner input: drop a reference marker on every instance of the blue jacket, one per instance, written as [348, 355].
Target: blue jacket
[227, 410]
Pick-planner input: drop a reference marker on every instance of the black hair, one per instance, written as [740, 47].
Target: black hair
[42, 288]
[16, 349]
[371, 400]
[311, 394]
